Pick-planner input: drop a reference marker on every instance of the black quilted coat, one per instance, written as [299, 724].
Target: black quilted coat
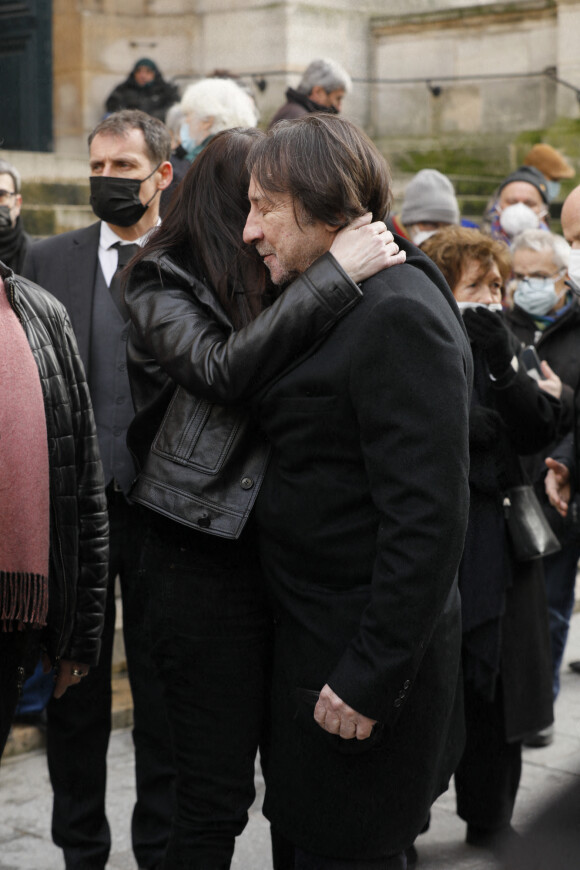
[78, 509]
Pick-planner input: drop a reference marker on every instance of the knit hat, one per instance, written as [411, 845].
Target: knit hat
[430, 197]
[145, 61]
[549, 162]
[530, 176]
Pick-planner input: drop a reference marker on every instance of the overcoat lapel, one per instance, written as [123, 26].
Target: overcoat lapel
[82, 263]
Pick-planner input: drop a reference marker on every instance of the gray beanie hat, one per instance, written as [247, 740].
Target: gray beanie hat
[430, 197]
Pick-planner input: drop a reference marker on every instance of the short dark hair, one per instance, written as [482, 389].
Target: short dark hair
[452, 248]
[330, 168]
[155, 133]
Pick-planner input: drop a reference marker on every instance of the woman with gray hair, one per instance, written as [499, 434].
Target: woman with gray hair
[546, 314]
[210, 106]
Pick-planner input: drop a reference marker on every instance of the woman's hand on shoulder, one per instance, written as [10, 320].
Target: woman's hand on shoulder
[366, 247]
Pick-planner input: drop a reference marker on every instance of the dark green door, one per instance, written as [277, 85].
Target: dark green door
[26, 75]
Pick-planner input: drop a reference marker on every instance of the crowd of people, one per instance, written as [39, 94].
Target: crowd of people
[299, 431]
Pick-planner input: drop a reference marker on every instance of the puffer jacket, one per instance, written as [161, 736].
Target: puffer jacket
[201, 463]
[78, 509]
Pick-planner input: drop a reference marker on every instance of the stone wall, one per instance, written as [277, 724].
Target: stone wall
[96, 42]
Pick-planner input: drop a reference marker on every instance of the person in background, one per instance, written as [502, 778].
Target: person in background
[429, 204]
[546, 315]
[322, 88]
[210, 106]
[553, 166]
[14, 242]
[144, 89]
[174, 122]
[54, 547]
[505, 650]
[129, 167]
[521, 203]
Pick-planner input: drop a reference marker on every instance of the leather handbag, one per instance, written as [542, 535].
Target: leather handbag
[530, 532]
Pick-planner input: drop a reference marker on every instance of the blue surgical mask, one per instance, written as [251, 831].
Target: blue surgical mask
[185, 137]
[537, 296]
[553, 189]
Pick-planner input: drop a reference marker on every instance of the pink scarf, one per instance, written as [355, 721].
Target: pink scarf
[24, 480]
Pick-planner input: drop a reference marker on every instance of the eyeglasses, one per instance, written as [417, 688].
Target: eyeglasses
[6, 194]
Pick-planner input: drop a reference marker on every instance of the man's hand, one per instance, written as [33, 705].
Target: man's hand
[364, 248]
[68, 674]
[557, 485]
[336, 717]
[550, 383]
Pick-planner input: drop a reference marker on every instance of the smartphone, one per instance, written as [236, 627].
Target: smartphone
[532, 362]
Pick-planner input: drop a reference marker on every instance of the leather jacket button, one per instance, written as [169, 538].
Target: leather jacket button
[397, 702]
[406, 684]
[204, 521]
[246, 483]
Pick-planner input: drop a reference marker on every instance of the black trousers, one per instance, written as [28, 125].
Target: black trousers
[18, 652]
[488, 775]
[209, 623]
[79, 726]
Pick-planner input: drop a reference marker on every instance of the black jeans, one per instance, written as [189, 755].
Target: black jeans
[79, 726]
[19, 652]
[210, 631]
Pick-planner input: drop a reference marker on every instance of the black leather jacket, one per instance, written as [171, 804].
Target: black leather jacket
[202, 463]
[79, 550]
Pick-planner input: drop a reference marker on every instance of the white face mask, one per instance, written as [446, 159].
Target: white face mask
[537, 296]
[514, 219]
[493, 306]
[421, 236]
[574, 267]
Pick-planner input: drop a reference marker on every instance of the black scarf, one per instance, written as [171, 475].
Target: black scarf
[13, 246]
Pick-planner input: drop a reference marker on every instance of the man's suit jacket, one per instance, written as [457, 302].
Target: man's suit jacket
[66, 265]
[362, 518]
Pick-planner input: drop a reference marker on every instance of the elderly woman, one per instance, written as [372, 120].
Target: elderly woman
[506, 657]
[210, 106]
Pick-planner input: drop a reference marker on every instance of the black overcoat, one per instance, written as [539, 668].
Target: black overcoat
[362, 518]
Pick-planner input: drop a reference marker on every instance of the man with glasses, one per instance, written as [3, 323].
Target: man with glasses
[14, 242]
[546, 314]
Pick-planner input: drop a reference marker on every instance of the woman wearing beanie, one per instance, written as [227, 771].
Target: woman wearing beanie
[429, 205]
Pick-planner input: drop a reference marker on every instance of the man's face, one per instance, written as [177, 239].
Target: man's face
[570, 218]
[521, 191]
[286, 247]
[333, 99]
[9, 197]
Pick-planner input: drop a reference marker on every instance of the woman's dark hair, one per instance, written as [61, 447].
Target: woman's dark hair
[202, 229]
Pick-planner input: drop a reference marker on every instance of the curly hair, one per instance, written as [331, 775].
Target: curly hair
[452, 248]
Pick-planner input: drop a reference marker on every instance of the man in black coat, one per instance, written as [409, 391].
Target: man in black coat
[362, 518]
[129, 163]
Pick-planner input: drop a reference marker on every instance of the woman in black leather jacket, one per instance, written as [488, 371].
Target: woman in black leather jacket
[199, 336]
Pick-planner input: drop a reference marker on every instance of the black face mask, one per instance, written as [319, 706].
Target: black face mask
[116, 200]
[5, 218]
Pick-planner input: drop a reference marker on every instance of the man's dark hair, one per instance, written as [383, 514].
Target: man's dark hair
[330, 168]
[155, 133]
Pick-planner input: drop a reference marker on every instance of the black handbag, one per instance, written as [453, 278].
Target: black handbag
[530, 533]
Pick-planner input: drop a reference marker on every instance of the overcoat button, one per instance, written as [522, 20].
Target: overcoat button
[246, 483]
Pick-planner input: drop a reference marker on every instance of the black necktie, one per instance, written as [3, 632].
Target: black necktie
[125, 254]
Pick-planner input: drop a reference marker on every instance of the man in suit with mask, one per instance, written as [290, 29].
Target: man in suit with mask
[129, 165]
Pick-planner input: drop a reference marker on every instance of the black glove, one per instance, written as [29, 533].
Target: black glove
[485, 425]
[487, 331]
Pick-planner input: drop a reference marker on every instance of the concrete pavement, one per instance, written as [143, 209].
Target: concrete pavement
[25, 799]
